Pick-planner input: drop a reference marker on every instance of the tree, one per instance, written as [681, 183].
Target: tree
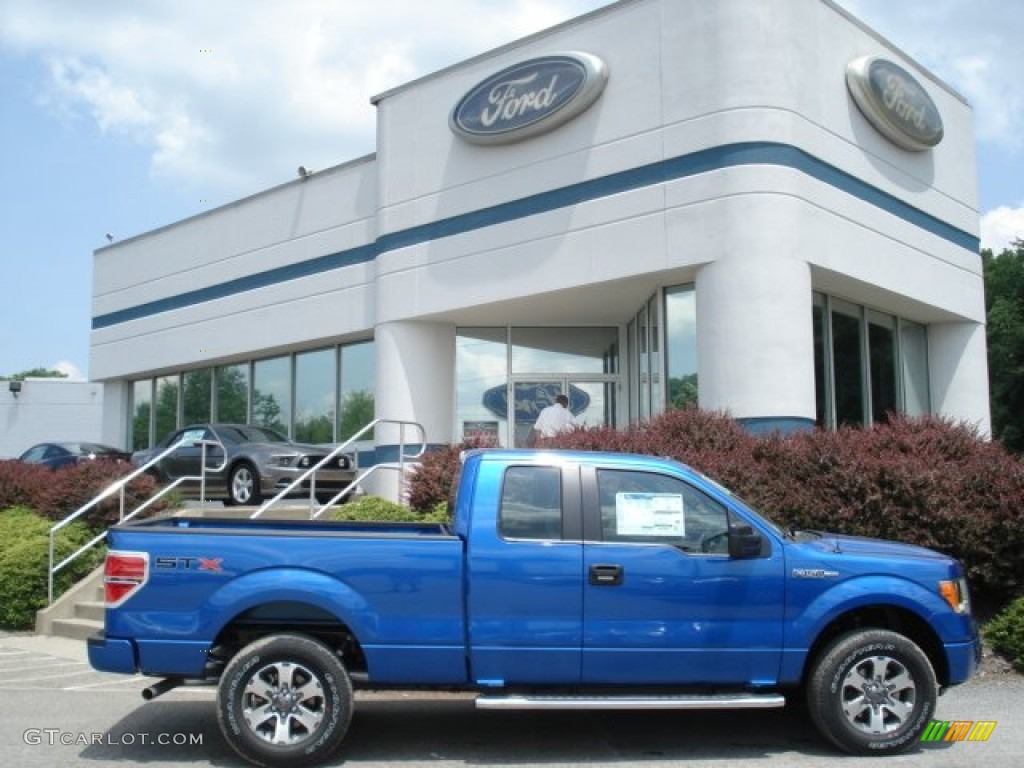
[1004, 308]
[35, 373]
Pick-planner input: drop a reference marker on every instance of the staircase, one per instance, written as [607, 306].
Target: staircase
[79, 611]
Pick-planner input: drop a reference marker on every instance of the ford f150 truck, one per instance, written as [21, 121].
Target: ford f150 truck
[565, 580]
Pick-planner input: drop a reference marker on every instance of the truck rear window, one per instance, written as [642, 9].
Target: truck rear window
[531, 503]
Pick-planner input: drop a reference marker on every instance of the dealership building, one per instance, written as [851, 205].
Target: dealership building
[762, 207]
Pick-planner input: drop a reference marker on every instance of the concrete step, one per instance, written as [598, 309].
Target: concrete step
[91, 610]
[76, 629]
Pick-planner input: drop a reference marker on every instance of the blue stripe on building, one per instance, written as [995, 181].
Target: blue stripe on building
[715, 158]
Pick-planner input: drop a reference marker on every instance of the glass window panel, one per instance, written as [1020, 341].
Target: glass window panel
[166, 409]
[600, 403]
[646, 507]
[531, 503]
[848, 367]
[271, 394]
[681, 345]
[821, 387]
[196, 397]
[563, 350]
[657, 395]
[914, 351]
[315, 387]
[142, 412]
[882, 359]
[645, 364]
[233, 394]
[358, 377]
[481, 374]
[633, 369]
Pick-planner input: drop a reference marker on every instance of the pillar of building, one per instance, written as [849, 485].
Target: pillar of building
[416, 384]
[958, 372]
[755, 339]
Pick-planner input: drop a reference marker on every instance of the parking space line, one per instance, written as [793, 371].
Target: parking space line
[88, 671]
[36, 667]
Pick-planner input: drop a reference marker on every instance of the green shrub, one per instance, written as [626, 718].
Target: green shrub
[1006, 633]
[24, 561]
[378, 510]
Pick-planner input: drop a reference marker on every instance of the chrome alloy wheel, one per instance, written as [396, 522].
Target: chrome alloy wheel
[243, 483]
[878, 695]
[283, 703]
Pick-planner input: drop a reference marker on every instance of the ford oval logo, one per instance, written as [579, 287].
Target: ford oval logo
[529, 98]
[894, 102]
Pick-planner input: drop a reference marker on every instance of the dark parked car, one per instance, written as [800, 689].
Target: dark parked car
[251, 462]
[56, 455]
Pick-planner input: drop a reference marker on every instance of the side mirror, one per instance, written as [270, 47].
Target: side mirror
[744, 541]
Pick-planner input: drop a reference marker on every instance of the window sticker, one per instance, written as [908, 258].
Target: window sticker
[649, 514]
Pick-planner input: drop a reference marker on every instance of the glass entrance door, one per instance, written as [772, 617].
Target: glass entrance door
[529, 398]
[592, 403]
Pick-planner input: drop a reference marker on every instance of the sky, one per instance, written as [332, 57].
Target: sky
[121, 116]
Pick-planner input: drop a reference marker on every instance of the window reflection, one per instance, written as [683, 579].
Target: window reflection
[142, 409]
[271, 394]
[196, 396]
[564, 350]
[358, 375]
[681, 345]
[166, 411]
[481, 374]
[314, 396]
[233, 394]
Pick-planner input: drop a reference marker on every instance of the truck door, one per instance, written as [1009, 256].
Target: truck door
[525, 575]
[664, 603]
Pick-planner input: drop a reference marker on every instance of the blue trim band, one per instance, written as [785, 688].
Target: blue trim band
[715, 158]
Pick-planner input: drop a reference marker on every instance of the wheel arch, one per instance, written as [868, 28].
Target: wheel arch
[894, 618]
[291, 616]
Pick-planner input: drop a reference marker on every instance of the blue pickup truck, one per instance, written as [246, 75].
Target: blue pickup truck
[565, 580]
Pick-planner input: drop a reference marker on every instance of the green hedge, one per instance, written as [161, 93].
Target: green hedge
[24, 561]
[1005, 633]
[376, 509]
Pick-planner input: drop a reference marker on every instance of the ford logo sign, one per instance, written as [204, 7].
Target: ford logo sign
[894, 102]
[529, 98]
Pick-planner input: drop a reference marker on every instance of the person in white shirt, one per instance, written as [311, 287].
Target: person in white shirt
[555, 418]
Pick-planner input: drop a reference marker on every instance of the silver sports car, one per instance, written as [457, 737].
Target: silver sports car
[259, 462]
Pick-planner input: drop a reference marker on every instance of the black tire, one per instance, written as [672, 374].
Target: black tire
[872, 692]
[287, 688]
[244, 485]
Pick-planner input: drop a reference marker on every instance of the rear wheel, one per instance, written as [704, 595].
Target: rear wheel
[872, 692]
[285, 700]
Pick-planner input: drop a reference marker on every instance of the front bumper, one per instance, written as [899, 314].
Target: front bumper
[963, 658]
[109, 654]
[326, 482]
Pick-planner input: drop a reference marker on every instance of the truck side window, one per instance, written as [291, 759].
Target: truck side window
[531, 503]
[646, 507]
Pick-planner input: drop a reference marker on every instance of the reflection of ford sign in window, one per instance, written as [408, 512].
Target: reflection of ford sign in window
[894, 102]
[529, 98]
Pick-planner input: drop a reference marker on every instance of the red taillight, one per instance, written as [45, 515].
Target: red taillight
[123, 574]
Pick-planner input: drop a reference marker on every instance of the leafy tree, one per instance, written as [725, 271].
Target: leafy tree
[1004, 307]
[682, 391]
[35, 373]
[356, 413]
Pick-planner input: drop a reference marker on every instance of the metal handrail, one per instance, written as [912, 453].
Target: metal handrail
[402, 458]
[118, 486]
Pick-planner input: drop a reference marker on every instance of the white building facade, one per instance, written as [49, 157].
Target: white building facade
[760, 207]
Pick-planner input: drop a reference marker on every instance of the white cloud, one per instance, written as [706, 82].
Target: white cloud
[1000, 227]
[229, 97]
[69, 369]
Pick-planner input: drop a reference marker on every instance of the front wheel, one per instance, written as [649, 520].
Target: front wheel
[284, 700]
[244, 485]
[872, 692]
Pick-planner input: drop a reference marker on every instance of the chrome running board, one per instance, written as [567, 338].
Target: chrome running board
[694, 701]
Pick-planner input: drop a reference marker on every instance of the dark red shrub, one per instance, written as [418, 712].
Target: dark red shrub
[56, 494]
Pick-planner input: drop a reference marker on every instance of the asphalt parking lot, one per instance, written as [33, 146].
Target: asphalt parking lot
[56, 710]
